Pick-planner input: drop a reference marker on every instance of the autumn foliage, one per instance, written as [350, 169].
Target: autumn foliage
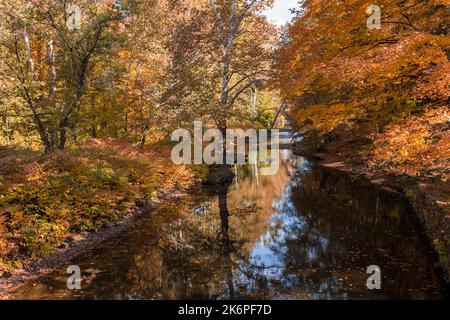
[101, 99]
[44, 199]
[419, 146]
[384, 91]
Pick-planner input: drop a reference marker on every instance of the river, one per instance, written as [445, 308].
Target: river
[307, 232]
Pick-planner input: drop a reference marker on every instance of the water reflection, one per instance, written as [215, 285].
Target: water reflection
[305, 233]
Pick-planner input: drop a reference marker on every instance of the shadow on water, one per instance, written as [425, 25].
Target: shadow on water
[304, 233]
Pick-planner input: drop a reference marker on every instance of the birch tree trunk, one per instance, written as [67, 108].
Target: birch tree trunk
[254, 100]
[28, 95]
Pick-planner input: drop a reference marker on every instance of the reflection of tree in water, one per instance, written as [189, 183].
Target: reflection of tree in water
[323, 231]
[307, 234]
[224, 217]
[239, 225]
[349, 226]
[225, 240]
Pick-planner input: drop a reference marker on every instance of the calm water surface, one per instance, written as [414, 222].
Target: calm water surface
[305, 233]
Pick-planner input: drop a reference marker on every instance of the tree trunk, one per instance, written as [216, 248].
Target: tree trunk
[278, 114]
[7, 130]
[143, 135]
[254, 100]
[51, 63]
[62, 138]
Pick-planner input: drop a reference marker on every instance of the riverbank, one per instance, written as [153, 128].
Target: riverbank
[430, 198]
[56, 207]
